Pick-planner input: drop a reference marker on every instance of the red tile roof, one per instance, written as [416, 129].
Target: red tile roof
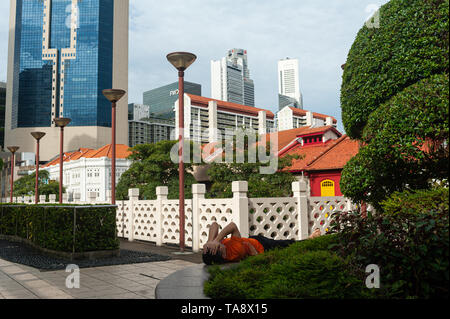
[122, 151]
[286, 139]
[228, 106]
[332, 155]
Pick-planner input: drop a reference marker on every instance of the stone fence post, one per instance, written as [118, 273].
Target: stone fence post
[161, 194]
[240, 207]
[42, 199]
[300, 190]
[198, 193]
[52, 198]
[133, 195]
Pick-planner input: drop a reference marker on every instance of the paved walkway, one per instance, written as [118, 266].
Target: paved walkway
[134, 281]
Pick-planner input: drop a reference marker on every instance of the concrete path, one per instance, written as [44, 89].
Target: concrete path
[135, 281]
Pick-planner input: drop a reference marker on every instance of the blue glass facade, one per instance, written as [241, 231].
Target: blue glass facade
[74, 83]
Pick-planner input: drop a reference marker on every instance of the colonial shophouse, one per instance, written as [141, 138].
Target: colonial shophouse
[89, 171]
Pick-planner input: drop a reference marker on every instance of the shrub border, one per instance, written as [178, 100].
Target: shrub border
[89, 255]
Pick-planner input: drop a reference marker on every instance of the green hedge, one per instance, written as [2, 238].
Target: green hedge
[304, 270]
[62, 228]
[409, 242]
[393, 158]
[411, 44]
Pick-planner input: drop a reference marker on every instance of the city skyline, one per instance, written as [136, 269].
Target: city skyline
[318, 33]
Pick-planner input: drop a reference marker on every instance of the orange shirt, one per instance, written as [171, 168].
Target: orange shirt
[237, 251]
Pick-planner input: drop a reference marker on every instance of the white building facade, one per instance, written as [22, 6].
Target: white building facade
[205, 119]
[88, 174]
[289, 118]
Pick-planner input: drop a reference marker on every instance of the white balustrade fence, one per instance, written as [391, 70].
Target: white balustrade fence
[157, 220]
[278, 218]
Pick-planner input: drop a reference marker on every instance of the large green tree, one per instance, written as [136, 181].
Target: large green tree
[263, 179]
[395, 101]
[25, 186]
[152, 167]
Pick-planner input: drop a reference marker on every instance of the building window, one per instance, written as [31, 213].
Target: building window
[327, 188]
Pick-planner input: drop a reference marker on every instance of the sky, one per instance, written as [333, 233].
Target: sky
[317, 32]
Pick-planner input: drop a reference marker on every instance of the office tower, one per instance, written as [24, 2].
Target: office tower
[289, 84]
[62, 55]
[230, 79]
[161, 100]
[2, 114]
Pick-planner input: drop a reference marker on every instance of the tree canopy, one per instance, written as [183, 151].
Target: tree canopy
[410, 44]
[152, 167]
[395, 101]
[25, 186]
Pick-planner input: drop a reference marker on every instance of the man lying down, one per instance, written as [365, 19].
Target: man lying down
[219, 249]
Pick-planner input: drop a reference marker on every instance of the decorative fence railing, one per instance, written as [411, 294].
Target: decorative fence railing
[157, 220]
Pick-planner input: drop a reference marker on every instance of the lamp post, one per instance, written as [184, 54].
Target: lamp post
[61, 123]
[181, 61]
[13, 150]
[113, 95]
[38, 136]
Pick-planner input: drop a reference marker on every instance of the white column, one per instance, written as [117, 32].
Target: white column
[133, 195]
[240, 207]
[212, 116]
[42, 198]
[198, 193]
[329, 121]
[309, 119]
[262, 122]
[161, 195]
[300, 190]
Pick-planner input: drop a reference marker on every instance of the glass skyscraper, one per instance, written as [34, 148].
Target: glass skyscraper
[162, 100]
[63, 63]
[230, 79]
[63, 58]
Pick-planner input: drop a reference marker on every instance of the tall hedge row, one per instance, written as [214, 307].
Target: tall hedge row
[62, 228]
[410, 44]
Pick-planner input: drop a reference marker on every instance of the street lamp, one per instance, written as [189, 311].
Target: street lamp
[62, 123]
[38, 136]
[113, 95]
[181, 61]
[13, 150]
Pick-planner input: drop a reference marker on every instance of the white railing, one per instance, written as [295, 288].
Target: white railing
[157, 220]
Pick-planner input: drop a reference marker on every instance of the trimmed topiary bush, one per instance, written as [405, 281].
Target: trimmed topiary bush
[404, 144]
[411, 44]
